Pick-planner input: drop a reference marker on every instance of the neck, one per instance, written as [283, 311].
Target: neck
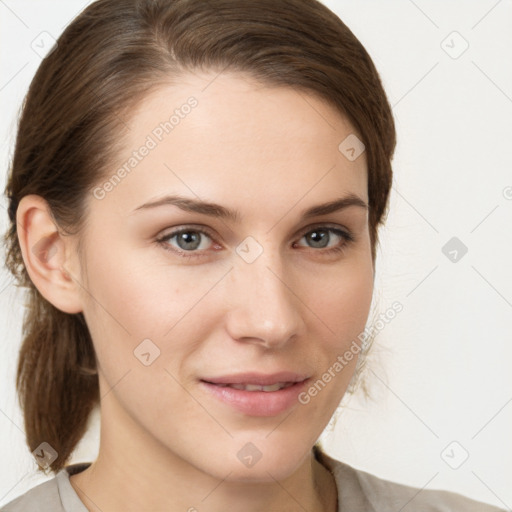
[102, 489]
[136, 473]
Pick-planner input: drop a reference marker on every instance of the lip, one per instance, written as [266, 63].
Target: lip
[260, 379]
[256, 403]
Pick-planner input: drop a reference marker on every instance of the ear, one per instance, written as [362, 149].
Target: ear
[46, 253]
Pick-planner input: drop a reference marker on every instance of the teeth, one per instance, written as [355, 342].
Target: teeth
[255, 387]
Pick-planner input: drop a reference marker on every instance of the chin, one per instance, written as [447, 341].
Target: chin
[262, 459]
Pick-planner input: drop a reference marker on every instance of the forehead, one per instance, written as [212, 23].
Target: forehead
[228, 138]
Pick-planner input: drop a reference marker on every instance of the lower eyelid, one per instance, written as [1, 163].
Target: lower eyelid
[165, 239]
[346, 236]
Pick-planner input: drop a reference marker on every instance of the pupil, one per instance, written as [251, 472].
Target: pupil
[190, 240]
[319, 236]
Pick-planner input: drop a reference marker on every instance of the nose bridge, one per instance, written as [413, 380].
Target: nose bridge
[264, 305]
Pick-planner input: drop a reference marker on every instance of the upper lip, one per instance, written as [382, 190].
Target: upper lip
[255, 378]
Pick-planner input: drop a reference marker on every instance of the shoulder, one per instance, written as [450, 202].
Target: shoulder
[55, 495]
[44, 496]
[359, 490]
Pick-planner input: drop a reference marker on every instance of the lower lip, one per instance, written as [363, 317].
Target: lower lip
[257, 403]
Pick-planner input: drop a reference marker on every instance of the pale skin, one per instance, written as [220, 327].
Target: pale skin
[269, 153]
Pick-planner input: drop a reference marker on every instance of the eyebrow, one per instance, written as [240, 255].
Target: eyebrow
[216, 210]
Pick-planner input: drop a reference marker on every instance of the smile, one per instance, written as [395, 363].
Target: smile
[255, 387]
[255, 394]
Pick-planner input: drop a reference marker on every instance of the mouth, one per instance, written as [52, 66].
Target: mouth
[256, 387]
[255, 394]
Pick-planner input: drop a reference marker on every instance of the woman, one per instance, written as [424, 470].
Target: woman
[194, 200]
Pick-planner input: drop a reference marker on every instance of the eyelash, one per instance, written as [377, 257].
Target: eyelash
[163, 241]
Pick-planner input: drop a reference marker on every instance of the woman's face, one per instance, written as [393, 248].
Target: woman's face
[270, 296]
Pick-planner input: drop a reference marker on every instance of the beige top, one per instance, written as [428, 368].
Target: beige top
[358, 491]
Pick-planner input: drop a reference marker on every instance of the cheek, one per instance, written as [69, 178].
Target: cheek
[136, 309]
[342, 299]
[141, 296]
[130, 301]
[344, 309]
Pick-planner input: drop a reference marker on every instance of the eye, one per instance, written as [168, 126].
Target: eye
[187, 240]
[321, 236]
[191, 241]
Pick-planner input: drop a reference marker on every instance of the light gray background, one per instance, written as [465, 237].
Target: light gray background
[440, 375]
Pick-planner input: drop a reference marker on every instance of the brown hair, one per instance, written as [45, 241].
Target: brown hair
[106, 60]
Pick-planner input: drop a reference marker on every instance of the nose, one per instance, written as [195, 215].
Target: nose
[265, 302]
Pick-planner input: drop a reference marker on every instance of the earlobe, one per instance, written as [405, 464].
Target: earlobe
[46, 254]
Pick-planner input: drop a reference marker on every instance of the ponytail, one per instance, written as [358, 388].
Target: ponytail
[56, 380]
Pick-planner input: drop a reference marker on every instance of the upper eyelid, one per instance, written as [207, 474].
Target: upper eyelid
[206, 231]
